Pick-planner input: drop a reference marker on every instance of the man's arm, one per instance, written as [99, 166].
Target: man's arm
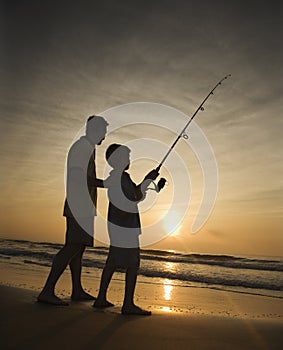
[94, 182]
[77, 175]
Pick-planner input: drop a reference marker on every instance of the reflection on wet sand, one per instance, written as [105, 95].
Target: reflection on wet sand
[167, 289]
[166, 309]
[168, 285]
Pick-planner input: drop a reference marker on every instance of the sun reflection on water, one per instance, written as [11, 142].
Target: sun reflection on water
[167, 289]
[166, 309]
[169, 266]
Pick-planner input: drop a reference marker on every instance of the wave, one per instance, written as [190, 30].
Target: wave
[206, 269]
[219, 260]
[213, 280]
[46, 251]
[208, 280]
[24, 253]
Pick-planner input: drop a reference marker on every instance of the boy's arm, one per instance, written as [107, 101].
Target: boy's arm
[142, 187]
[130, 189]
[136, 193]
[152, 175]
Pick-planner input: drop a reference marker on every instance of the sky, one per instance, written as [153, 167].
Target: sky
[63, 61]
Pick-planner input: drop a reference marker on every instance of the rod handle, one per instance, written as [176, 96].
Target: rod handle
[158, 168]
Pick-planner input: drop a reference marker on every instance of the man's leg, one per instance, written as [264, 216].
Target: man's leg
[60, 262]
[106, 276]
[78, 294]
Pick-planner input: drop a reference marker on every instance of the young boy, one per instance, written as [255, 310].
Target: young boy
[124, 227]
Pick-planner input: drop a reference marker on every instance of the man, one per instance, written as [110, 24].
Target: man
[79, 210]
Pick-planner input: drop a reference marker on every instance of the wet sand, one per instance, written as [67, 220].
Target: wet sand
[253, 322]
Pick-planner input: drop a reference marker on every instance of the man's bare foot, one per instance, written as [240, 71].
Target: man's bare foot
[51, 299]
[82, 296]
[101, 304]
[134, 310]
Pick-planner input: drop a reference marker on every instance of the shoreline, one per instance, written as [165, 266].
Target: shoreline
[163, 296]
[27, 324]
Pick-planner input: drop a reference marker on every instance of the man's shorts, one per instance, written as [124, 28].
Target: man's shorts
[75, 234]
[123, 257]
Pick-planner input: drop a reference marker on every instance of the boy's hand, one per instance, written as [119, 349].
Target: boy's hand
[152, 175]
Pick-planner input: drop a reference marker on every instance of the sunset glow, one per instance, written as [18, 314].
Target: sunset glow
[171, 223]
[55, 73]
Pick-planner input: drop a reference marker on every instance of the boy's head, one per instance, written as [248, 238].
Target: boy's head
[118, 156]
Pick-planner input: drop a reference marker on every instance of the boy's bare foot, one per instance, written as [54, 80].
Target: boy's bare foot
[134, 310]
[51, 299]
[82, 296]
[101, 304]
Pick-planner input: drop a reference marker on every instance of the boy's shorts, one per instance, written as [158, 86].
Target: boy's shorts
[75, 234]
[123, 257]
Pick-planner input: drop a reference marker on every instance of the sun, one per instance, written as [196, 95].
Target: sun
[172, 223]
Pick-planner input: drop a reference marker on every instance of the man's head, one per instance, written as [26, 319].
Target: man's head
[118, 156]
[96, 128]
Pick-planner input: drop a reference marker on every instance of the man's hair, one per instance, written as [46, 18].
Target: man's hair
[111, 149]
[96, 121]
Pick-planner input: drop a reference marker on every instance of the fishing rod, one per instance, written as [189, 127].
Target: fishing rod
[182, 133]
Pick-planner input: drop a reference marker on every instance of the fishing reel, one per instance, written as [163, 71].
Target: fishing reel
[161, 183]
[158, 187]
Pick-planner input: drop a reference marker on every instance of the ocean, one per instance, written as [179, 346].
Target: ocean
[243, 274]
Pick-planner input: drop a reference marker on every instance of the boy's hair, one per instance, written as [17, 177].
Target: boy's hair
[113, 161]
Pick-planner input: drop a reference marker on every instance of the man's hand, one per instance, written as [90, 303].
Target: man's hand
[152, 175]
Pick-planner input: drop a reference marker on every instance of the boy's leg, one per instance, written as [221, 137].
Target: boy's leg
[60, 262]
[129, 307]
[78, 294]
[130, 285]
[106, 276]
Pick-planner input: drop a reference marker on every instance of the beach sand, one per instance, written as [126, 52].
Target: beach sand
[195, 318]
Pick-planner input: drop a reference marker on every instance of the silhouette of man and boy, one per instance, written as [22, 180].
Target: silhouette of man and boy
[123, 221]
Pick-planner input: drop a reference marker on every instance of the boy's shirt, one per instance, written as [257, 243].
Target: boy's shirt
[124, 224]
